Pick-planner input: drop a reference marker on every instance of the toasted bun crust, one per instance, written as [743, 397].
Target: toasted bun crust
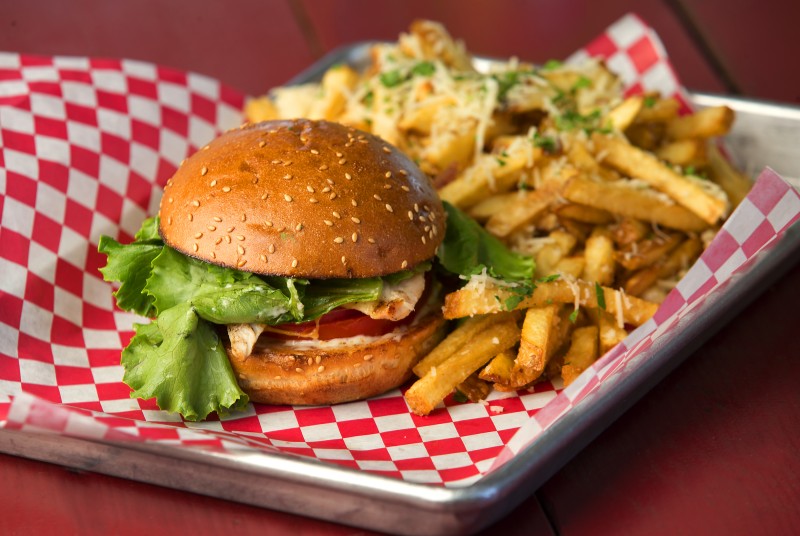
[277, 373]
[302, 198]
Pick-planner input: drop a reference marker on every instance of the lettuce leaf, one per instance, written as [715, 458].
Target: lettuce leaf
[468, 249]
[179, 360]
[130, 265]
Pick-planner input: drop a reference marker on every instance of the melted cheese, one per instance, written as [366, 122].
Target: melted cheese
[396, 301]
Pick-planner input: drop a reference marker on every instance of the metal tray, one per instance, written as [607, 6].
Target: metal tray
[764, 134]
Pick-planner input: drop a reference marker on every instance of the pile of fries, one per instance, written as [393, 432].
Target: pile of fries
[614, 197]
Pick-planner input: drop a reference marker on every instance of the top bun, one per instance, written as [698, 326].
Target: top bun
[302, 198]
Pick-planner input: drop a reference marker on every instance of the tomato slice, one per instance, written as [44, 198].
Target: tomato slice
[337, 324]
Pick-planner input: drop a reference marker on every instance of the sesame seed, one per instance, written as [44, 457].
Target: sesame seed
[263, 257]
[230, 229]
[355, 220]
[262, 143]
[371, 240]
[329, 223]
[213, 183]
[354, 237]
[263, 197]
[240, 238]
[298, 227]
[241, 263]
[240, 249]
[368, 357]
[217, 219]
[389, 207]
[387, 186]
[321, 368]
[376, 196]
[310, 361]
[255, 180]
[298, 369]
[288, 176]
[213, 255]
[169, 220]
[405, 188]
[310, 189]
[343, 161]
[228, 239]
[198, 235]
[423, 218]
[330, 181]
[287, 197]
[318, 359]
[268, 223]
[338, 239]
[226, 189]
[323, 167]
[276, 161]
[423, 239]
[344, 259]
[388, 175]
[326, 189]
[314, 151]
[204, 170]
[338, 154]
[287, 163]
[313, 200]
[332, 196]
[217, 241]
[294, 263]
[427, 228]
[403, 172]
[410, 215]
[348, 176]
[404, 264]
[416, 208]
[171, 200]
[432, 215]
[196, 203]
[282, 229]
[277, 378]
[271, 248]
[190, 216]
[386, 149]
[195, 247]
[243, 217]
[354, 202]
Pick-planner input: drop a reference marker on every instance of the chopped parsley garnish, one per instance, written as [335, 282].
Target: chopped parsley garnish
[650, 101]
[581, 83]
[458, 396]
[573, 317]
[548, 143]
[549, 65]
[601, 296]
[423, 68]
[549, 278]
[391, 78]
[519, 293]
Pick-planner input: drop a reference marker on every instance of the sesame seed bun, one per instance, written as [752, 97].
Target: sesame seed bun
[302, 198]
[281, 373]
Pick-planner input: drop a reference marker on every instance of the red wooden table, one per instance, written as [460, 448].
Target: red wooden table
[694, 456]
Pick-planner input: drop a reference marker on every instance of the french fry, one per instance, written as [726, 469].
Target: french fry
[656, 110]
[599, 255]
[337, 84]
[520, 210]
[536, 344]
[679, 259]
[472, 301]
[560, 244]
[583, 213]
[637, 163]
[647, 251]
[622, 115]
[735, 183]
[498, 370]
[684, 152]
[570, 267]
[609, 332]
[705, 123]
[260, 109]
[456, 339]
[633, 203]
[492, 205]
[474, 388]
[423, 396]
[581, 354]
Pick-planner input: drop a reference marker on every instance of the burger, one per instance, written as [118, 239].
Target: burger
[290, 263]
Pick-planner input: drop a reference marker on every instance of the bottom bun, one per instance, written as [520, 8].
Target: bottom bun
[340, 370]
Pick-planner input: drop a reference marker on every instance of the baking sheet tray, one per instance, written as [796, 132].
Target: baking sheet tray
[309, 487]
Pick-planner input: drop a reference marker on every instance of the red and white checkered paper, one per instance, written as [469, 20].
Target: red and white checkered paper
[85, 146]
